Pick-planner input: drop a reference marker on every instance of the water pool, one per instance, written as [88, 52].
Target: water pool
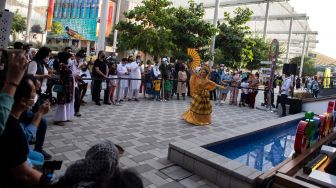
[262, 150]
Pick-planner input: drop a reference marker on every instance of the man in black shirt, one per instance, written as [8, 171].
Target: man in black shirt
[15, 171]
[99, 72]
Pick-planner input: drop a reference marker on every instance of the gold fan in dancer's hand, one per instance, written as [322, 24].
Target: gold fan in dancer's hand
[196, 59]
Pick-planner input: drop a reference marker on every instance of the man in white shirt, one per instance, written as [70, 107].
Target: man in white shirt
[122, 73]
[77, 80]
[135, 67]
[285, 92]
[128, 67]
[156, 70]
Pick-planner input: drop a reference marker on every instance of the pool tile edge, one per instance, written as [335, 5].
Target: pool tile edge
[191, 153]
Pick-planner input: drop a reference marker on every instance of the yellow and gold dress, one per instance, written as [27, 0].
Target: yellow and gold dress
[200, 110]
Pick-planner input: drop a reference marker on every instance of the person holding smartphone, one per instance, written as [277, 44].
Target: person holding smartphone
[13, 64]
[35, 125]
[15, 170]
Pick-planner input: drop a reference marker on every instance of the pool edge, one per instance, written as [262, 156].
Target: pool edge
[218, 169]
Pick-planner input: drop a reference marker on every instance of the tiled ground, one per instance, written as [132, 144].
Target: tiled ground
[144, 129]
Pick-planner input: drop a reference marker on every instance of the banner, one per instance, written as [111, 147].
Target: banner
[50, 14]
[109, 19]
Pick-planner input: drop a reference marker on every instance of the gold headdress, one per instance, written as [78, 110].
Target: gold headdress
[206, 69]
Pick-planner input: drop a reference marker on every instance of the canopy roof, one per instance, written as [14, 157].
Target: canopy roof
[278, 25]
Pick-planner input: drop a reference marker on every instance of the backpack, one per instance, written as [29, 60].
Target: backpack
[316, 84]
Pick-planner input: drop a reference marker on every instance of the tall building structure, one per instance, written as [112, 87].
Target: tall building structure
[79, 19]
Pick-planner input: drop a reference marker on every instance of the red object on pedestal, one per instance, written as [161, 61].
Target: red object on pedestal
[301, 142]
[330, 107]
[323, 124]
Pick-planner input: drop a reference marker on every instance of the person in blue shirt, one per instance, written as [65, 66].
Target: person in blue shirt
[225, 80]
[15, 170]
[214, 76]
[32, 131]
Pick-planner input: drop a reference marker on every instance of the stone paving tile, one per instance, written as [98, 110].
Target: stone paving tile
[145, 130]
[145, 148]
[172, 185]
[176, 173]
[143, 168]
[142, 157]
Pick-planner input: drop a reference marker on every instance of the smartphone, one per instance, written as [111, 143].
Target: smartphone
[3, 66]
[52, 165]
[3, 59]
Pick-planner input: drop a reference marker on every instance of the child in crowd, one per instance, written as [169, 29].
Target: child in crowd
[168, 86]
[265, 103]
[157, 88]
[244, 92]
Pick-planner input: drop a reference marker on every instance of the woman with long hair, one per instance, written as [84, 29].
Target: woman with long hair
[113, 82]
[200, 109]
[39, 68]
[254, 84]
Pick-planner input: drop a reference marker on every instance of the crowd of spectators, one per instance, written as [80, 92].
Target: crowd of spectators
[26, 79]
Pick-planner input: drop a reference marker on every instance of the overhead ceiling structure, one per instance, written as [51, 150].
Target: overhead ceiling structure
[283, 22]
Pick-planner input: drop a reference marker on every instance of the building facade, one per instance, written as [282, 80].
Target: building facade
[79, 19]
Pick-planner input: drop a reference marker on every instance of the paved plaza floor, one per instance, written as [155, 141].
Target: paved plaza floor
[145, 130]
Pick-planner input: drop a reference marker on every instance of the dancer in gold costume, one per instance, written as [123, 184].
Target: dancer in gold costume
[200, 110]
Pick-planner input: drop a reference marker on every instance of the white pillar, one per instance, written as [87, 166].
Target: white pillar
[307, 48]
[215, 20]
[303, 53]
[116, 21]
[44, 38]
[88, 44]
[289, 39]
[102, 26]
[266, 20]
[30, 8]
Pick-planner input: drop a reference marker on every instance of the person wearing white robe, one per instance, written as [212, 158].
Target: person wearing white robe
[128, 67]
[122, 72]
[135, 73]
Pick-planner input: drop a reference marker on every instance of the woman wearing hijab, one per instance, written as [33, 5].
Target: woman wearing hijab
[99, 168]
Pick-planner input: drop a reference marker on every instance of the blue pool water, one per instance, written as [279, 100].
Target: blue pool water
[262, 150]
